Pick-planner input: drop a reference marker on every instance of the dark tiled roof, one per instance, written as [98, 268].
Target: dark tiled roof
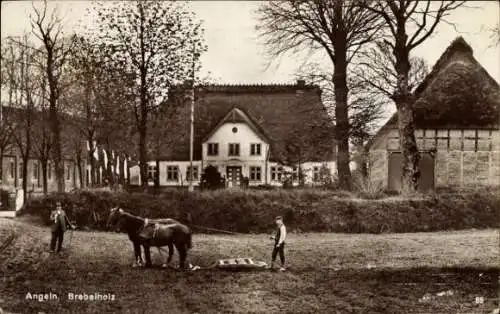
[458, 93]
[286, 114]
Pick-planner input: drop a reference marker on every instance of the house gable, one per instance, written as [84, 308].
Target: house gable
[236, 117]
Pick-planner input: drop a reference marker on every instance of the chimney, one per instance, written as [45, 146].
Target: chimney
[301, 83]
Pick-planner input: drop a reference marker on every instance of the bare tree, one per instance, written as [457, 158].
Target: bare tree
[495, 33]
[153, 41]
[100, 99]
[6, 135]
[42, 139]
[25, 78]
[365, 105]
[8, 83]
[338, 28]
[48, 29]
[375, 70]
[408, 25]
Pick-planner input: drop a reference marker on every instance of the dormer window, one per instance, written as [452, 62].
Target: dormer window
[213, 149]
[234, 149]
[255, 149]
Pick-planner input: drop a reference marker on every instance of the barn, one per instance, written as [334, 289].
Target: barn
[456, 114]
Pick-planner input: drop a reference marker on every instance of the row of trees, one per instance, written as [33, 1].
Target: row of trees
[369, 44]
[111, 82]
[105, 85]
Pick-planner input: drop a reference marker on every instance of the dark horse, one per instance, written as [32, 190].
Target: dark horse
[152, 232]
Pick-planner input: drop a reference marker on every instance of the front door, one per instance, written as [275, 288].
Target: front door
[233, 176]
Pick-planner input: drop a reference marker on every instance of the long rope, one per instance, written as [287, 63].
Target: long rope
[229, 232]
[217, 230]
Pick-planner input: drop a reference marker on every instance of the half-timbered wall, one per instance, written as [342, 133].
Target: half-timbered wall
[461, 157]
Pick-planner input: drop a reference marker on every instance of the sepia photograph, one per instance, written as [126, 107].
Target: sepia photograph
[286, 156]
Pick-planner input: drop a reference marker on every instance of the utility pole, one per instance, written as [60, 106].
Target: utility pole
[191, 135]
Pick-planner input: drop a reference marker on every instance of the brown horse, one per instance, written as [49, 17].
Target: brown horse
[152, 232]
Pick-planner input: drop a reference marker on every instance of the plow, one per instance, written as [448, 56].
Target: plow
[234, 264]
[228, 264]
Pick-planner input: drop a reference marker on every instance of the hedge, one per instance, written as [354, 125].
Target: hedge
[303, 211]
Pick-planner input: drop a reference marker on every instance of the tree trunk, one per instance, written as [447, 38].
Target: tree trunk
[143, 126]
[157, 175]
[411, 156]
[55, 124]
[80, 171]
[404, 100]
[25, 159]
[1, 165]
[143, 158]
[342, 120]
[43, 163]
[363, 160]
[92, 164]
[57, 152]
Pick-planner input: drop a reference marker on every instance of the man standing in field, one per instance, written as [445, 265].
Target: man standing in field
[59, 223]
[279, 243]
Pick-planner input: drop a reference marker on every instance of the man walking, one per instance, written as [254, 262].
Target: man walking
[279, 243]
[59, 223]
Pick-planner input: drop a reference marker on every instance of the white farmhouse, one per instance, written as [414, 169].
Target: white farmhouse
[260, 132]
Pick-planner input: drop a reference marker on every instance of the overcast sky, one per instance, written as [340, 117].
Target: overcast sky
[236, 56]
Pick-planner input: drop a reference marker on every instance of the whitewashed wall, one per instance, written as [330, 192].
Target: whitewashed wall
[245, 136]
[182, 173]
[307, 169]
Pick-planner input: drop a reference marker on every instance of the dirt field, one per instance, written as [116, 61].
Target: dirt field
[448, 272]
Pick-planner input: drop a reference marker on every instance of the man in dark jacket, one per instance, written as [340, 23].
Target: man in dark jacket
[59, 224]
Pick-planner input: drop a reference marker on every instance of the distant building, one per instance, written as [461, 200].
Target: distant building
[457, 127]
[75, 155]
[12, 163]
[260, 132]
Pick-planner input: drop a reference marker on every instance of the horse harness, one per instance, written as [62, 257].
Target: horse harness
[156, 227]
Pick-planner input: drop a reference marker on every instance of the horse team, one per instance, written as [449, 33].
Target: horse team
[152, 233]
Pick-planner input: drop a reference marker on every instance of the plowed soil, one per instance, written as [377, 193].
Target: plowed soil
[446, 272]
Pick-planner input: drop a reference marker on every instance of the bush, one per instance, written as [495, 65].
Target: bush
[367, 189]
[303, 210]
[211, 179]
